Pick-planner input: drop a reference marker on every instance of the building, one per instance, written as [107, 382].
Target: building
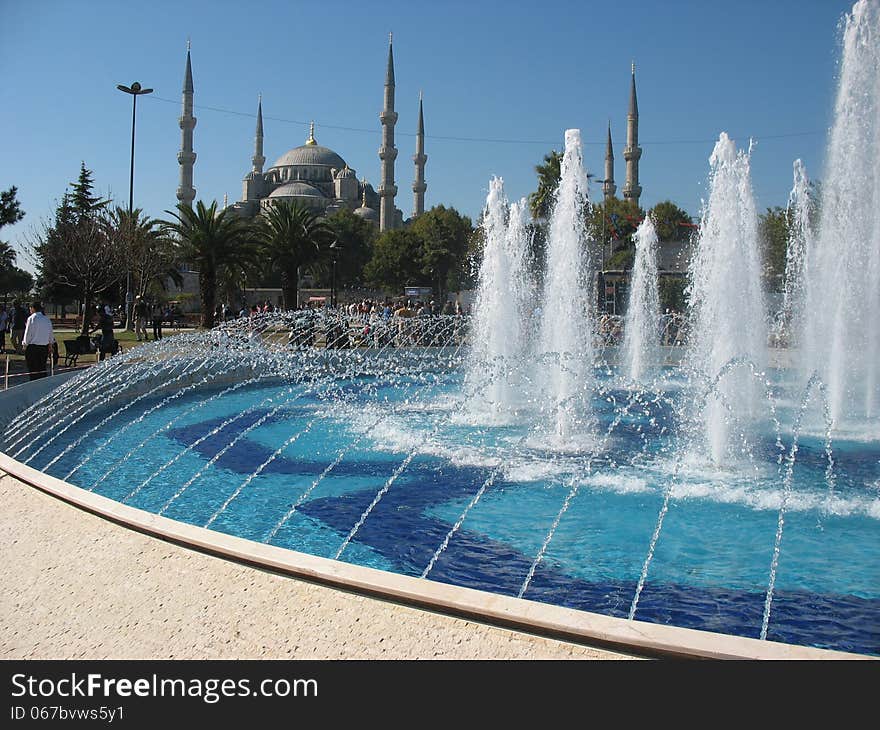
[313, 175]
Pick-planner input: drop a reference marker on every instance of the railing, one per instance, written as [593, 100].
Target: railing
[10, 380]
[322, 328]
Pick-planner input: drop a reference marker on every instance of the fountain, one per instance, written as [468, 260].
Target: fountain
[801, 212]
[517, 455]
[640, 331]
[500, 306]
[727, 308]
[840, 336]
[566, 327]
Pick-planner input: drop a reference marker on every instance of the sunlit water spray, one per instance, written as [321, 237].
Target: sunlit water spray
[567, 321]
[801, 213]
[841, 336]
[728, 316]
[498, 337]
[640, 332]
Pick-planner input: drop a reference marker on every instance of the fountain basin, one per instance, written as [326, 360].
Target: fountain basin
[483, 565]
[577, 626]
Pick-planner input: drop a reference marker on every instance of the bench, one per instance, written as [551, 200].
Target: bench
[74, 348]
[84, 346]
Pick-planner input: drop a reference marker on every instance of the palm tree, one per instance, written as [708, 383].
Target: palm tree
[291, 237]
[209, 239]
[149, 252]
[549, 173]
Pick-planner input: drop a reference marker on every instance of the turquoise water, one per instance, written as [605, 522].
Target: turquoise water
[339, 488]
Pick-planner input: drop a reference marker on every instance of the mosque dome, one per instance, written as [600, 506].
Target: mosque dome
[296, 189]
[345, 172]
[310, 154]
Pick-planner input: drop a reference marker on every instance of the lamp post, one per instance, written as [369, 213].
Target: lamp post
[600, 279]
[604, 213]
[135, 90]
[335, 251]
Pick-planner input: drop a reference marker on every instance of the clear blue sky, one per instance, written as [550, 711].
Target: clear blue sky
[502, 81]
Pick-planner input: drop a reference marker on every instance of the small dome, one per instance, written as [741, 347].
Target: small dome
[367, 214]
[345, 172]
[296, 189]
[310, 154]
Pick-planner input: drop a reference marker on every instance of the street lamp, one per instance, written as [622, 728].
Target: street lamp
[604, 213]
[335, 251]
[135, 90]
[601, 277]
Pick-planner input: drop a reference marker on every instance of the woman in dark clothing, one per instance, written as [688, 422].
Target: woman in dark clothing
[107, 342]
[158, 315]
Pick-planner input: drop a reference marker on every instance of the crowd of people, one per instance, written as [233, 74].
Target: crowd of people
[380, 323]
[364, 323]
[157, 315]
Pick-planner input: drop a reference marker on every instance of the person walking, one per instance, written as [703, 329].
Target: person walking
[107, 342]
[140, 319]
[158, 314]
[38, 336]
[4, 321]
[19, 317]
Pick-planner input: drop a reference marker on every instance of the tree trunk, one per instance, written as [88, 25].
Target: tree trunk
[289, 289]
[208, 292]
[86, 315]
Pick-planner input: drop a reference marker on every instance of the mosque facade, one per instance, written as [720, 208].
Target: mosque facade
[320, 179]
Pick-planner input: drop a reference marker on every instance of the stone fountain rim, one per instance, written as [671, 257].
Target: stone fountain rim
[567, 624]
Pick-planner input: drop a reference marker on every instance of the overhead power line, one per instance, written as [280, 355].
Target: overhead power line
[484, 140]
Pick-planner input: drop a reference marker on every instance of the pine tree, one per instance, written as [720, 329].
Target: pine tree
[83, 202]
[75, 257]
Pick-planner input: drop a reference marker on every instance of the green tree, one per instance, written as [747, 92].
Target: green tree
[15, 282]
[355, 238]
[672, 223]
[209, 239]
[444, 235]
[12, 279]
[10, 208]
[549, 173]
[773, 231]
[672, 293]
[149, 252]
[395, 262]
[612, 224]
[74, 255]
[7, 256]
[85, 205]
[291, 238]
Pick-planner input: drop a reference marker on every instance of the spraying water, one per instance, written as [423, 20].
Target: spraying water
[567, 321]
[801, 212]
[726, 301]
[841, 336]
[497, 338]
[643, 312]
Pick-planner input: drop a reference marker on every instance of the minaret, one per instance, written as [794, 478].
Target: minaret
[258, 158]
[388, 152]
[608, 186]
[186, 193]
[632, 152]
[420, 158]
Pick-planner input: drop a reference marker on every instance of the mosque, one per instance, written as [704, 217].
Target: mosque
[321, 180]
[312, 175]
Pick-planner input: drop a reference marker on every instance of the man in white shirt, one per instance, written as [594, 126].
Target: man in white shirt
[38, 336]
